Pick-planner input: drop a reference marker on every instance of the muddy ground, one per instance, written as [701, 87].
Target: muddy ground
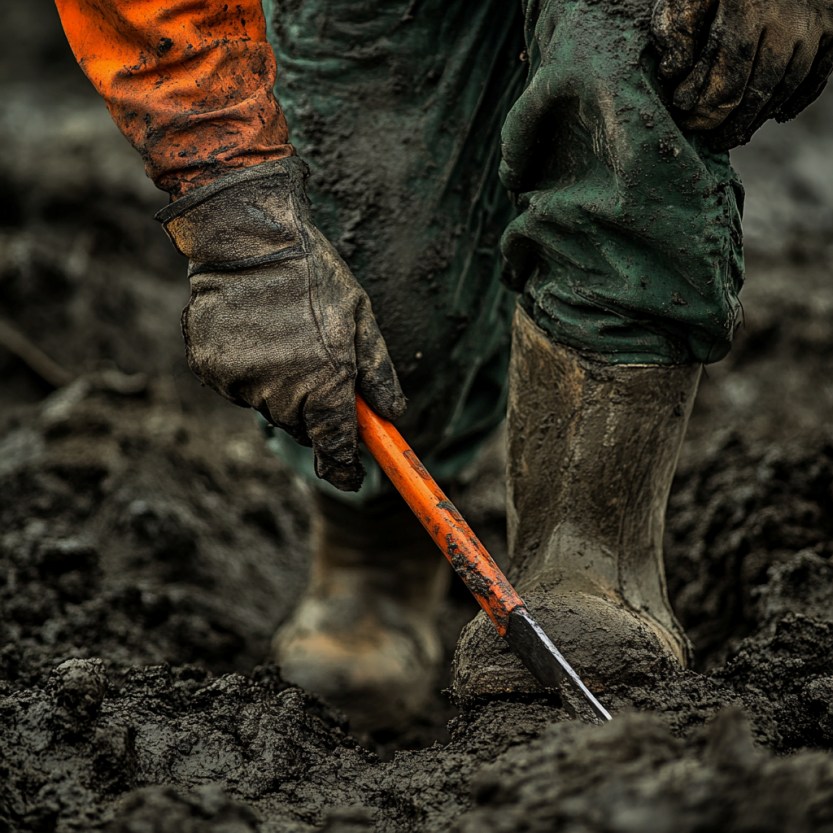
[149, 546]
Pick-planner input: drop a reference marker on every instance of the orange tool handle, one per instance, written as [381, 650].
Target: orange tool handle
[440, 517]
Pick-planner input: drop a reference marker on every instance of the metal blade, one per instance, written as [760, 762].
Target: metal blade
[528, 640]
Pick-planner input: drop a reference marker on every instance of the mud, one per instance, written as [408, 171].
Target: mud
[149, 547]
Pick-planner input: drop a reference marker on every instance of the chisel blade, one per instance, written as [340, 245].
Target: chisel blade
[536, 650]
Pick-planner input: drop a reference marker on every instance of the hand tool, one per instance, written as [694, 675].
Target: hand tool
[469, 557]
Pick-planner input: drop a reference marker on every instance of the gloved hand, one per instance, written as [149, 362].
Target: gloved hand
[276, 321]
[733, 64]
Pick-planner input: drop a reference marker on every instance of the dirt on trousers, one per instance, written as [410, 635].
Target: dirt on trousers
[149, 546]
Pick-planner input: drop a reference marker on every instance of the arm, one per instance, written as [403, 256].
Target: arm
[188, 82]
[276, 321]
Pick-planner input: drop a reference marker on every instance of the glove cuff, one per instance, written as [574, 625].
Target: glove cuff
[247, 218]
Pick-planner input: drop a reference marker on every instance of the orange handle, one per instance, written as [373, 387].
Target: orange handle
[440, 517]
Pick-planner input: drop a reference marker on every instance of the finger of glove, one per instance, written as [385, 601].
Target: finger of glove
[678, 27]
[797, 73]
[812, 86]
[377, 380]
[731, 67]
[689, 90]
[775, 77]
[268, 410]
[332, 426]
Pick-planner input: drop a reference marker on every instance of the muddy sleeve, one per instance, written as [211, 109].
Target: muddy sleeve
[188, 82]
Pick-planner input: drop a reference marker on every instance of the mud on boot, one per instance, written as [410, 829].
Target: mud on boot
[364, 634]
[592, 449]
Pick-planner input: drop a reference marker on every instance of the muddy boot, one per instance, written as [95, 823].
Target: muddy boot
[592, 452]
[364, 635]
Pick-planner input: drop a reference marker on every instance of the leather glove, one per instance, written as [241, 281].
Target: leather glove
[733, 64]
[276, 321]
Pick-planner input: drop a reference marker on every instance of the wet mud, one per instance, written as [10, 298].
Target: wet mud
[149, 546]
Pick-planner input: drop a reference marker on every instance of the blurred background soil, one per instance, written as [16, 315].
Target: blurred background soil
[149, 545]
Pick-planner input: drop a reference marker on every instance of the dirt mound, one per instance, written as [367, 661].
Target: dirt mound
[142, 558]
[131, 534]
[743, 509]
[633, 775]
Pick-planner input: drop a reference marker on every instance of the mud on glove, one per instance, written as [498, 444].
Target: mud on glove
[276, 321]
[733, 64]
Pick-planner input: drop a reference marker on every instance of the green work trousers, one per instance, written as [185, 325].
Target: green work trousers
[456, 142]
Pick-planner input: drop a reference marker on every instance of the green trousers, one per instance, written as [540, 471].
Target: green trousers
[457, 142]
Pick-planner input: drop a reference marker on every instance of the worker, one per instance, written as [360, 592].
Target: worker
[575, 149]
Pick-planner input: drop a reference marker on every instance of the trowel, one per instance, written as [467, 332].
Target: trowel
[469, 558]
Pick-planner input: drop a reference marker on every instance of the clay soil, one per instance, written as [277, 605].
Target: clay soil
[149, 546]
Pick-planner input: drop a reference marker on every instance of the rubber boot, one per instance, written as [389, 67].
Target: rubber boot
[592, 449]
[364, 635]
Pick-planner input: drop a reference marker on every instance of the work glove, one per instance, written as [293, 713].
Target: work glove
[276, 321]
[733, 64]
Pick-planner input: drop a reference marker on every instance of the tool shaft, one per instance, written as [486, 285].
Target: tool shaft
[469, 558]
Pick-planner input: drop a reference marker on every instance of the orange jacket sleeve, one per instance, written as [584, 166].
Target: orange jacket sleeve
[188, 82]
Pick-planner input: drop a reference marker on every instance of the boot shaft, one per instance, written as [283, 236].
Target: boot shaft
[592, 451]
[379, 549]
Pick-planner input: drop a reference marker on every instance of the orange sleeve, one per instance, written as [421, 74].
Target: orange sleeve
[188, 82]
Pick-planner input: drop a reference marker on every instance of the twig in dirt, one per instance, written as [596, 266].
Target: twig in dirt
[32, 356]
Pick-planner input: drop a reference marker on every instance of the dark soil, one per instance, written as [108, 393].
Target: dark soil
[149, 546]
